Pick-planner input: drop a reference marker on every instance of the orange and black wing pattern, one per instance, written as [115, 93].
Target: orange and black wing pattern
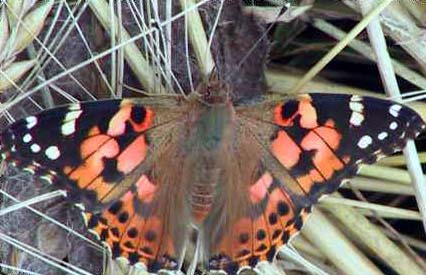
[323, 138]
[306, 146]
[121, 160]
[89, 146]
[146, 226]
[271, 216]
[101, 154]
[258, 209]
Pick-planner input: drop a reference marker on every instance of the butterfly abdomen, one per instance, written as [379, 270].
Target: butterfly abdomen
[202, 194]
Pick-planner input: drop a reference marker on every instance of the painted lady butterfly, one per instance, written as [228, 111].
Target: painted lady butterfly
[148, 173]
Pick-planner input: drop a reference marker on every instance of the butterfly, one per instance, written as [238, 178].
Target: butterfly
[151, 173]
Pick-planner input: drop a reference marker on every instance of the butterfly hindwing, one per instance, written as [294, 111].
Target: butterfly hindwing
[255, 212]
[142, 227]
[270, 218]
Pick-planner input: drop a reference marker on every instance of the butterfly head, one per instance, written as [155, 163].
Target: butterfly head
[215, 92]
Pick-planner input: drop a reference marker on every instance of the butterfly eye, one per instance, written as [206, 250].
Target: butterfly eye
[216, 92]
[209, 92]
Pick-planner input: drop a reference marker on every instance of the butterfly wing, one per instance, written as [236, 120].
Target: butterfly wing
[322, 138]
[307, 145]
[103, 153]
[255, 211]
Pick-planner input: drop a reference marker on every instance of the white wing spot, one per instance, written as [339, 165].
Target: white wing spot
[357, 109]
[68, 128]
[356, 106]
[13, 148]
[52, 152]
[364, 142]
[72, 115]
[393, 125]
[394, 110]
[74, 107]
[356, 98]
[356, 119]
[27, 138]
[35, 148]
[382, 135]
[31, 121]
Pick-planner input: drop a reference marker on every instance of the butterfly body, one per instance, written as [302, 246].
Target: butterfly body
[149, 171]
[208, 136]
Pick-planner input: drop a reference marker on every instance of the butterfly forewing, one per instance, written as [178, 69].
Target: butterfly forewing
[321, 139]
[76, 142]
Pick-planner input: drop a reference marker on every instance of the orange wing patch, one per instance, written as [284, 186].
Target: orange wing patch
[132, 155]
[146, 189]
[117, 125]
[93, 150]
[324, 159]
[286, 149]
[305, 146]
[107, 157]
[259, 190]
[285, 114]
